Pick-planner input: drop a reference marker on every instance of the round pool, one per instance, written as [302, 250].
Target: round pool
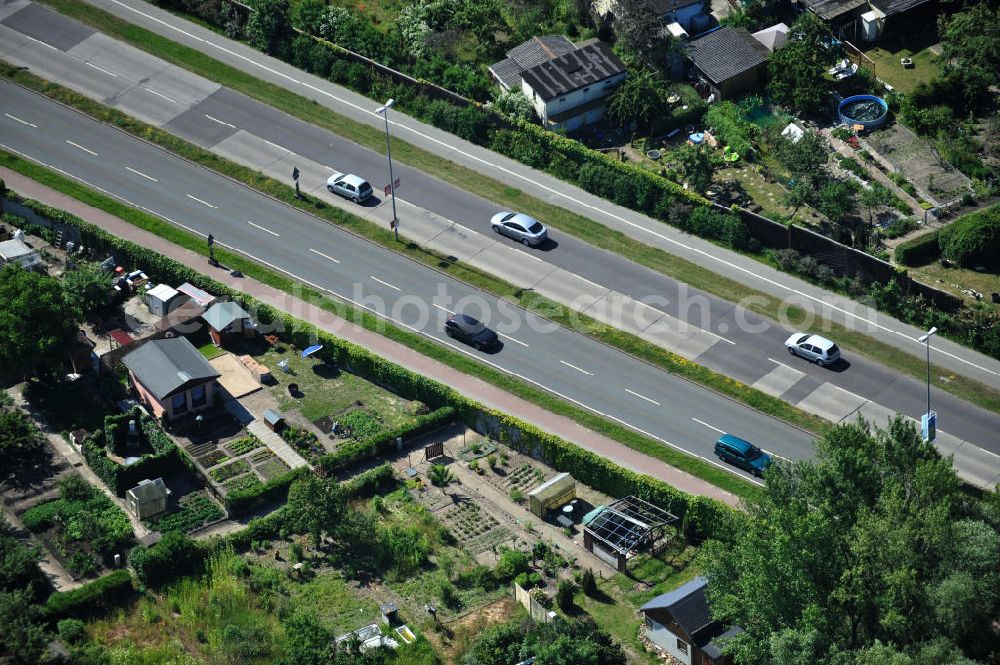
[866, 110]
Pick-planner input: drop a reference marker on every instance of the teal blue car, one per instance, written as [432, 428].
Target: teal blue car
[734, 450]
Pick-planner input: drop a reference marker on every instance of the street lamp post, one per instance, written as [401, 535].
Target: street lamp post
[384, 112]
[926, 341]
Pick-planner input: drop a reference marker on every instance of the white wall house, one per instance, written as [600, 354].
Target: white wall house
[680, 623]
[567, 84]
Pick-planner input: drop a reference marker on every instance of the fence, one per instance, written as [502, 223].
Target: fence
[843, 260]
[535, 608]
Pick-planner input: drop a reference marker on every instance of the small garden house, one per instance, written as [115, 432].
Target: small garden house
[680, 623]
[148, 498]
[227, 320]
[171, 377]
[730, 60]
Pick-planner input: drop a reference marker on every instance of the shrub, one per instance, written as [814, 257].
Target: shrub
[588, 583]
[564, 595]
[511, 564]
[92, 598]
[973, 240]
[71, 631]
[174, 556]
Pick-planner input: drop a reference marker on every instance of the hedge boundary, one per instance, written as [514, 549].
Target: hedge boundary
[91, 599]
[918, 251]
[166, 459]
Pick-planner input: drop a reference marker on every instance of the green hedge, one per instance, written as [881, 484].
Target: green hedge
[166, 459]
[973, 240]
[92, 598]
[368, 483]
[702, 517]
[239, 501]
[349, 454]
[919, 251]
[176, 555]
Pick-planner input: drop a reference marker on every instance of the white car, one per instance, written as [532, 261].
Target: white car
[817, 349]
[520, 227]
[349, 186]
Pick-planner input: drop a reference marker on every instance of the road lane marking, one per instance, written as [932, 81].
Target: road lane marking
[67, 174]
[583, 371]
[516, 341]
[140, 173]
[778, 362]
[652, 401]
[702, 422]
[100, 69]
[221, 122]
[150, 90]
[263, 229]
[195, 198]
[23, 122]
[39, 41]
[727, 341]
[275, 145]
[77, 145]
[444, 309]
[385, 283]
[325, 256]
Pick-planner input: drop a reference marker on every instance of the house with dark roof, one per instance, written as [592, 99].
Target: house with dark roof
[171, 377]
[730, 60]
[680, 623]
[226, 320]
[568, 84]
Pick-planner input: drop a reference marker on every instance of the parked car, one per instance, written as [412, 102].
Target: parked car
[349, 186]
[813, 347]
[745, 455]
[520, 227]
[471, 331]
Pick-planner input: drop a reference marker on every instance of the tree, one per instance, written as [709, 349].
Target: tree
[639, 99]
[23, 639]
[805, 159]
[837, 200]
[269, 27]
[797, 77]
[21, 445]
[869, 545]
[638, 31]
[873, 197]
[19, 569]
[560, 642]
[37, 325]
[174, 556]
[695, 164]
[564, 595]
[971, 52]
[87, 286]
[307, 14]
[316, 505]
[513, 103]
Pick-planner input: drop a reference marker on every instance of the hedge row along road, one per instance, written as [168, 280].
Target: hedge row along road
[354, 108]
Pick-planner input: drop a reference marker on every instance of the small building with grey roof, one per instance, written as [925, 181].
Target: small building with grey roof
[730, 60]
[567, 84]
[680, 623]
[171, 377]
[227, 320]
[863, 20]
[148, 498]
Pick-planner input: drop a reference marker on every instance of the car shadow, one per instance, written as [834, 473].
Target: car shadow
[546, 245]
[840, 366]
[493, 351]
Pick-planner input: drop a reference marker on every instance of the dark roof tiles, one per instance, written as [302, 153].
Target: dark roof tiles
[726, 53]
[591, 64]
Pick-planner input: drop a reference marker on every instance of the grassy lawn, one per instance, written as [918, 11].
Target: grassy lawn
[953, 280]
[614, 607]
[888, 69]
[210, 351]
[592, 232]
[330, 393]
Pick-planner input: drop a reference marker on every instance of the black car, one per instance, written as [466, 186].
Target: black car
[466, 329]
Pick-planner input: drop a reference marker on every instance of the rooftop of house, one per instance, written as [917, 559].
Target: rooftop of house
[829, 10]
[149, 490]
[14, 249]
[222, 315]
[893, 7]
[666, 6]
[169, 366]
[585, 66]
[773, 37]
[687, 605]
[524, 56]
[726, 53]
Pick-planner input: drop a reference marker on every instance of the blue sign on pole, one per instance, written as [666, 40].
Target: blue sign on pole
[928, 426]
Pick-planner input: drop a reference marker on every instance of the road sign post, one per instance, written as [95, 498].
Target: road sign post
[928, 426]
[295, 177]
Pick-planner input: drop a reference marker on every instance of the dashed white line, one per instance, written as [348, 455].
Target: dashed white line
[39, 41]
[727, 341]
[23, 122]
[583, 371]
[195, 198]
[101, 69]
[383, 283]
[140, 173]
[516, 341]
[778, 362]
[275, 145]
[702, 422]
[221, 122]
[444, 309]
[325, 256]
[158, 94]
[652, 401]
[77, 145]
[263, 229]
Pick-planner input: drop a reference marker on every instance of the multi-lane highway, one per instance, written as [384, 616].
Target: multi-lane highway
[582, 370]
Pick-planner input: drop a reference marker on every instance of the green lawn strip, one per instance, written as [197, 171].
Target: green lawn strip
[697, 467]
[472, 181]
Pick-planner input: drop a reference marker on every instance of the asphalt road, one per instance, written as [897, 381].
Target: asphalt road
[584, 371]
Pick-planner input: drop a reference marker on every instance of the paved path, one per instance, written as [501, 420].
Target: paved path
[277, 444]
[59, 577]
[474, 388]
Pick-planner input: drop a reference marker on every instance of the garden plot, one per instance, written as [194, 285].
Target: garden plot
[193, 510]
[475, 529]
[916, 159]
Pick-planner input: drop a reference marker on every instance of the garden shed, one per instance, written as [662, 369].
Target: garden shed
[227, 320]
[551, 494]
[730, 60]
[617, 532]
[148, 498]
[274, 420]
[162, 299]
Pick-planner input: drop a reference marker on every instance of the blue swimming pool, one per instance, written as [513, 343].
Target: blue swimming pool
[866, 110]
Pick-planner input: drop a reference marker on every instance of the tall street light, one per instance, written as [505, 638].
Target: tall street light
[384, 112]
[926, 341]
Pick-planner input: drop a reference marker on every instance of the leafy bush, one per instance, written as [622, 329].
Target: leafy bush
[564, 595]
[852, 165]
[973, 240]
[194, 510]
[349, 454]
[362, 424]
[71, 631]
[92, 598]
[511, 564]
[728, 122]
[174, 556]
